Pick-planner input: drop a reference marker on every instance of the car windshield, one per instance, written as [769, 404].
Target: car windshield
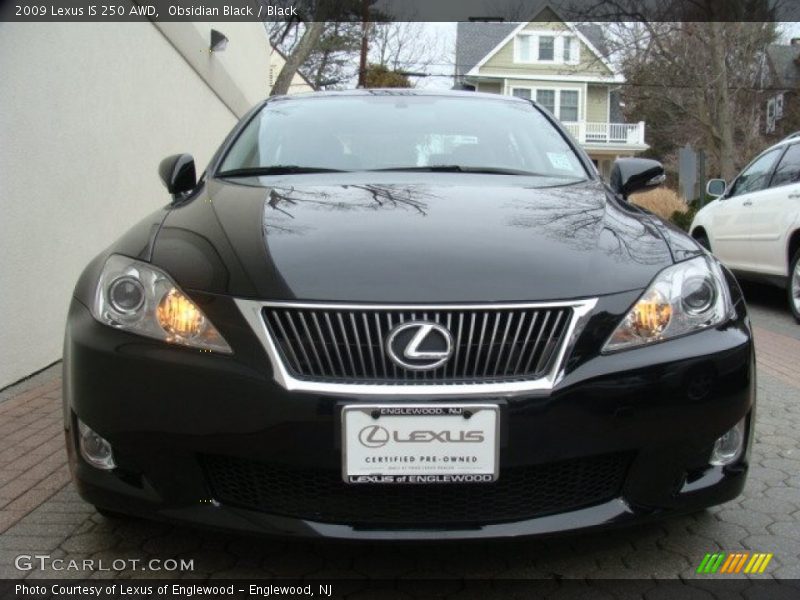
[386, 132]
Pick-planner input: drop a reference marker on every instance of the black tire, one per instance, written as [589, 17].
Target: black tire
[794, 286]
[702, 239]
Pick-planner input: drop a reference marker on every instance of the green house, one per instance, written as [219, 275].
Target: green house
[561, 65]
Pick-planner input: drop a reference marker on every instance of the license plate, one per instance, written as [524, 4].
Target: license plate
[420, 443]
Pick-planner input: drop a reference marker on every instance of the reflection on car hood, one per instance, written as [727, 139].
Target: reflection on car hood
[408, 238]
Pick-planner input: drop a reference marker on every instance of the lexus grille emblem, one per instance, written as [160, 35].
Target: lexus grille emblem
[373, 436]
[419, 345]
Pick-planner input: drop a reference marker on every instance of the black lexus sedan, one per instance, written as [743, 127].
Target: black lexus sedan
[406, 315]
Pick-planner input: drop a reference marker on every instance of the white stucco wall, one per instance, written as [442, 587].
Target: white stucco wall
[87, 111]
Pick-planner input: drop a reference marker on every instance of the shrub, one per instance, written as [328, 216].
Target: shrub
[379, 76]
[684, 219]
[662, 201]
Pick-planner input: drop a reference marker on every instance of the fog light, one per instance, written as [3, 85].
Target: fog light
[95, 449]
[728, 448]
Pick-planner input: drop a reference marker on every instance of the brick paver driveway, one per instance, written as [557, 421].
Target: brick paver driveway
[42, 514]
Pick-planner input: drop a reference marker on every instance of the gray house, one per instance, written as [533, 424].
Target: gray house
[783, 77]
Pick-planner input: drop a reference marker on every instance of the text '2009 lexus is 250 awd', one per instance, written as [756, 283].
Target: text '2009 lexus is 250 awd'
[406, 315]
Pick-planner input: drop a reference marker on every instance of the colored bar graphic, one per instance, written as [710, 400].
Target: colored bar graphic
[759, 562]
[704, 563]
[729, 562]
[711, 563]
[716, 564]
[754, 563]
[735, 562]
[741, 562]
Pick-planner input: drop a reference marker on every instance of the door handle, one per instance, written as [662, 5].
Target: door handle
[747, 203]
[795, 195]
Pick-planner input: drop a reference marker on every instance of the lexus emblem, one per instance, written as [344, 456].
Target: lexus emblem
[419, 345]
[373, 436]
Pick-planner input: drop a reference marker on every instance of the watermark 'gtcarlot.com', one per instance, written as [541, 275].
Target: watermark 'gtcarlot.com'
[44, 562]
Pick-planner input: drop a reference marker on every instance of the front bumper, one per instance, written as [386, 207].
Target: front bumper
[165, 410]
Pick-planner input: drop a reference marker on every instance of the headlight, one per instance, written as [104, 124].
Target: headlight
[137, 297]
[683, 298]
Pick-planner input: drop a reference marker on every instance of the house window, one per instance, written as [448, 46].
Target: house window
[570, 50]
[525, 48]
[547, 48]
[568, 106]
[542, 47]
[547, 98]
[563, 104]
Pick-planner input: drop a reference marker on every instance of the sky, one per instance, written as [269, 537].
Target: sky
[442, 71]
[790, 30]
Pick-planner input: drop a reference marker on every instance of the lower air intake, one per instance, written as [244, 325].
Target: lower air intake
[321, 495]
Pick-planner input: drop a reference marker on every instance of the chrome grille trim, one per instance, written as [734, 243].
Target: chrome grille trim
[459, 317]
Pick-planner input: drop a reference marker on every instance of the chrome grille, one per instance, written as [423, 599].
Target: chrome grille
[346, 344]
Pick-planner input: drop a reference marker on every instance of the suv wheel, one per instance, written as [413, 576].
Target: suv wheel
[794, 285]
[702, 239]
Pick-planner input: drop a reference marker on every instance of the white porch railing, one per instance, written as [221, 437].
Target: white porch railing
[607, 133]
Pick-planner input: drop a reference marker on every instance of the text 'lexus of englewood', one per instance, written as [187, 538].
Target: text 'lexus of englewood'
[406, 315]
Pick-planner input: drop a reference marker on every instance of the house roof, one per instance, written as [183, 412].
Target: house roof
[474, 40]
[785, 63]
[594, 33]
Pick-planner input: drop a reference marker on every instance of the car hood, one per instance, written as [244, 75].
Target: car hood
[408, 238]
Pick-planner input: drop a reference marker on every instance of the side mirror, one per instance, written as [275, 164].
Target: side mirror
[716, 187]
[178, 173]
[629, 175]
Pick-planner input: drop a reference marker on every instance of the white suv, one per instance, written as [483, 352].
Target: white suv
[753, 225]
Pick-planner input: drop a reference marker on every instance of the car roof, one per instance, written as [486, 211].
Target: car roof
[401, 92]
[791, 138]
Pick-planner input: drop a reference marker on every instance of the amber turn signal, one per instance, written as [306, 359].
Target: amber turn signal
[178, 315]
[651, 315]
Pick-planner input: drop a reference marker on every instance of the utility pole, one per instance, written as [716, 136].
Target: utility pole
[362, 66]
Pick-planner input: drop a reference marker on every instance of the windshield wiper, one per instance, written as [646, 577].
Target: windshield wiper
[465, 169]
[276, 170]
